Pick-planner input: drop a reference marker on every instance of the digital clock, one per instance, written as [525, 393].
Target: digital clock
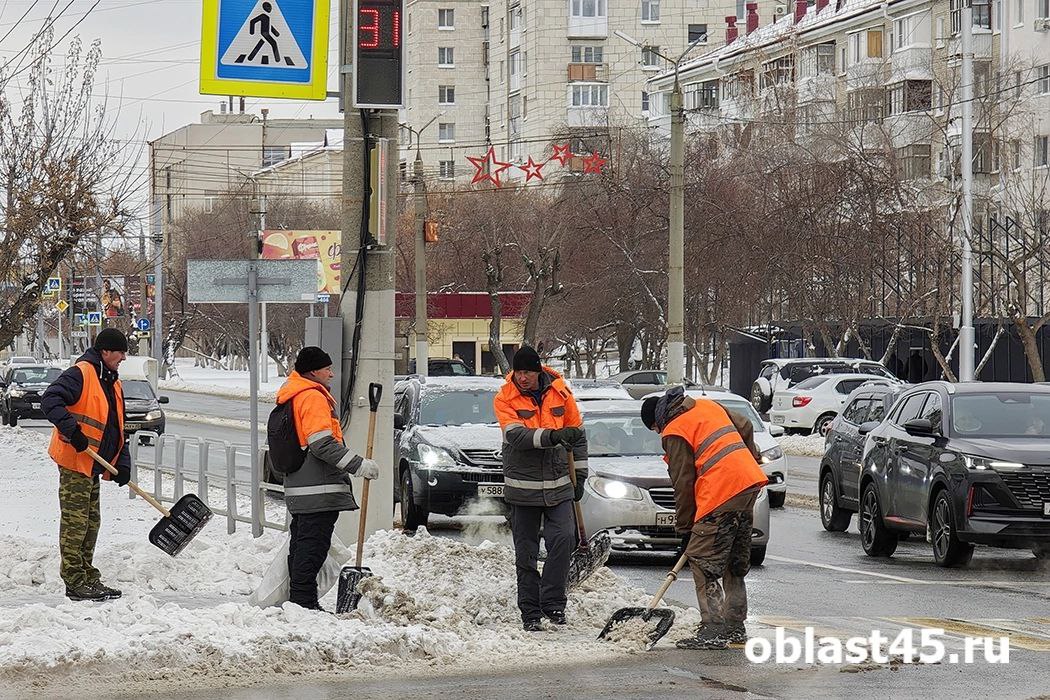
[378, 67]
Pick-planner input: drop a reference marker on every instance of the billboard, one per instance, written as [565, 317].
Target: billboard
[322, 246]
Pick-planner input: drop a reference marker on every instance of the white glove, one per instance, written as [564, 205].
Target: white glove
[368, 469]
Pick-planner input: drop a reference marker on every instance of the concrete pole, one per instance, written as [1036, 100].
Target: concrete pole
[966, 330]
[157, 230]
[264, 355]
[253, 383]
[422, 348]
[675, 268]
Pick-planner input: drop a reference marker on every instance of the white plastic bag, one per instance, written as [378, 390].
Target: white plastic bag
[273, 589]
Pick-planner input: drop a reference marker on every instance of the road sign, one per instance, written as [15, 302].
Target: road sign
[79, 334]
[265, 48]
[378, 63]
[142, 324]
[141, 335]
[48, 293]
[61, 305]
[323, 297]
[94, 318]
[54, 284]
[80, 319]
[226, 281]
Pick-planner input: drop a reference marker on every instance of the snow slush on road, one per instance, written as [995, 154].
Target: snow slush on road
[434, 604]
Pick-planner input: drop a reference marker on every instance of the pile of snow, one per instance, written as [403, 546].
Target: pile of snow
[802, 445]
[433, 602]
[220, 382]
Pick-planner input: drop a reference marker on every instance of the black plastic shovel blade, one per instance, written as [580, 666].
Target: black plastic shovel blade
[587, 560]
[349, 595]
[664, 621]
[189, 515]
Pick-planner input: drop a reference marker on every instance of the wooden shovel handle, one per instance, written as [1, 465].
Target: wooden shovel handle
[576, 504]
[131, 484]
[375, 393]
[672, 576]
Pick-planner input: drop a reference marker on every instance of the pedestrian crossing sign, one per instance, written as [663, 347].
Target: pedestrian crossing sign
[265, 48]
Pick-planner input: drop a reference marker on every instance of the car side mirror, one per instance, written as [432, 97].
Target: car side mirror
[399, 421]
[776, 430]
[919, 426]
[867, 427]
[163, 399]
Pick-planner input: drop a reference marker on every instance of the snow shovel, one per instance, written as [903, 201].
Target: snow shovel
[590, 555]
[181, 524]
[350, 577]
[664, 616]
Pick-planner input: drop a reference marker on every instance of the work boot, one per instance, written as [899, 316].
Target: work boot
[85, 592]
[106, 590]
[556, 616]
[532, 625]
[707, 637]
[736, 633]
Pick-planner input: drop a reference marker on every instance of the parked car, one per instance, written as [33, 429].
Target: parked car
[448, 446]
[142, 409]
[640, 383]
[598, 390]
[20, 389]
[843, 450]
[23, 360]
[812, 404]
[629, 493]
[966, 463]
[443, 367]
[784, 373]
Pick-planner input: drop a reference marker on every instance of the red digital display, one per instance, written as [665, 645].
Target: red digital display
[378, 26]
[378, 54]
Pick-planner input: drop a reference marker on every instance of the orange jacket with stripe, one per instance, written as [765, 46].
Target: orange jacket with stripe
[91, 411]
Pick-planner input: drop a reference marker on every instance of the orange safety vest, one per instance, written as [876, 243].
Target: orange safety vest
[724, 465]
[91, 411]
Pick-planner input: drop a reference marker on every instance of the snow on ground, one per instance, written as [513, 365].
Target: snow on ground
[219, 382]
[802, 445]
[435, 604]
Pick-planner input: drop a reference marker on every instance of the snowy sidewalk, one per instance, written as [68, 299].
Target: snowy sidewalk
[435, 604]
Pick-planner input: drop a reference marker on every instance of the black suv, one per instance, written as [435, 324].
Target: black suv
[20, 389]
[843, 450]
[448, 446]
[966, 463]
[443, 367]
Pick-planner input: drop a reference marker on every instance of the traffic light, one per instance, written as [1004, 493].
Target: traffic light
[379, 67]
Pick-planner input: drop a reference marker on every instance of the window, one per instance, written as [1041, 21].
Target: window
[1043, 9]
[697, 33]
[932, 411]
[514, 64]
[982, 14]
[846, 387]
[446, 132]
[587, 54]
[817, 60]
[1019, 18]
[588, 8]
[590, 95]
[650, 58]
[650, 10]
[909, 408]
[778, 72]
[878, 408]
[446, 19]
[271, 155]
[514, 21]
[866, 104]
[447, 94]
[915, 161]
[645, 101]
[857, 411]
[446, 169]
[863, 45]
[940, 32]
[910, 96]
[1042, 79]
[1042, 152]
[445, 59]
[1015, 149]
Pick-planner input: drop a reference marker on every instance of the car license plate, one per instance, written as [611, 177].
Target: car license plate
[778, 419]
[490, 490]
[132, 426]
[35, 405]
[665, 519]
[1046, 508]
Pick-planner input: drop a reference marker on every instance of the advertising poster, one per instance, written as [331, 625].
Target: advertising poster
[322, 246]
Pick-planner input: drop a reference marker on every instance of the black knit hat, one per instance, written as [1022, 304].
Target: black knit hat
[649, 411]
[312, 358]
[527, 359]
[111, 339]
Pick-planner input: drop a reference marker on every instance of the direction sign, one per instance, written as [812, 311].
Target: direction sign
[141, 335]
[226, 281]
[142, 324]
[323, 297]
[94, 318]
[265, 48]
[61, 305]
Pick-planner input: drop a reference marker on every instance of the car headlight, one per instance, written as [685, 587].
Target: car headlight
[772, 454]
[431, 457]
[612, 488]
[156, 414]
[985, 464]
[17, 393]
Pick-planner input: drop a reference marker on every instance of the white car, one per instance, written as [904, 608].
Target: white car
[784, 373]
[598, 390]
[812, 404]
[22, 360]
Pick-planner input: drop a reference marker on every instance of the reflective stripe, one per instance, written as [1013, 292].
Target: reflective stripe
[729, 449]
[581, 464]
[88, 420]
[511, 426]
[347, 458]
[710, 440]
[316, 490]
[531, 485]
[317, 436]
[537, 438]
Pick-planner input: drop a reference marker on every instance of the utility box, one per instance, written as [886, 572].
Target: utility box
[326, 332]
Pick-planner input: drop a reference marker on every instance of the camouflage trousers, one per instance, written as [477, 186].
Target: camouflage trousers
[721, 549]
[78, 530]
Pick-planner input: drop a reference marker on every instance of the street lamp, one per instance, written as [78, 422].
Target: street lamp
[676, 235]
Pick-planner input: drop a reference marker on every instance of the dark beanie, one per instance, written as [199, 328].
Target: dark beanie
[111, 339]
[649, 411]
[312, 358]
[527, 359]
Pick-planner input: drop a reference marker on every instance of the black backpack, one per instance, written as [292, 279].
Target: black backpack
[286, 456]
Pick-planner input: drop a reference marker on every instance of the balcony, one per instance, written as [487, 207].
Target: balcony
[982, 45]
[867, 73]
[588, 27]
[588, 72]
[817, 88]
[587, 116]
[908, 127]
[918, 57]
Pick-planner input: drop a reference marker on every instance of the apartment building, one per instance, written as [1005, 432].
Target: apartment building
[516, 74]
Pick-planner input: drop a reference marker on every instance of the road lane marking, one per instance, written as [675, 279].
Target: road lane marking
[963, 582]
[846, 570]
[983, 628]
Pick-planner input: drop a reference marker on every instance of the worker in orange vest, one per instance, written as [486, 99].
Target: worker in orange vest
[86, 406]
[711, 457]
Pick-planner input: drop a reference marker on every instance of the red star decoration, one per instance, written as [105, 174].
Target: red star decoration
[593, 164]
[562, 153]
[532, 169]
[487, 168]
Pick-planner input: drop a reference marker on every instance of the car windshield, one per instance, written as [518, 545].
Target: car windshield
[624, 434]
[457, 407]
[35, 375]
[137, 389]
[744, 408]
[811, 383]
[1001, 415]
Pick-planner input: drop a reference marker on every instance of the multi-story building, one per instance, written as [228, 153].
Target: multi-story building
[516, 74]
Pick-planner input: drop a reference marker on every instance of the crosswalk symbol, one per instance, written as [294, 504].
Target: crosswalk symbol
[264, 40]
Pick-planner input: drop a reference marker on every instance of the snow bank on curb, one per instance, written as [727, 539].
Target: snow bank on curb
[228, 392]
[218, 421]
[802, 445]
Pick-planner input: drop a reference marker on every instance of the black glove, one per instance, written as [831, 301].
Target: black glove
[566, 436]
[578, 489]
[78, 440]
[685, 543]
[123, 475]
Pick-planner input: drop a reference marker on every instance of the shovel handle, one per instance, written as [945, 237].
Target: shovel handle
[375, 393]
[131, 484]
[576, 504]
[672, 576]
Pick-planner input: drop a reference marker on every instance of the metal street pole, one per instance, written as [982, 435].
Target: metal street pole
[676, 239]
[61, 346]
[264, 355]
[157, 237]
[253, 382]
[422, 347]
[966, 329]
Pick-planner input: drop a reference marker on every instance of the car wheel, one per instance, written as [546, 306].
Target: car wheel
[832, 517]
[875, 537]
[412, 516]
[776, 499]
[758, 555]
[948, 550]
[823, 424]
[761, 396]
